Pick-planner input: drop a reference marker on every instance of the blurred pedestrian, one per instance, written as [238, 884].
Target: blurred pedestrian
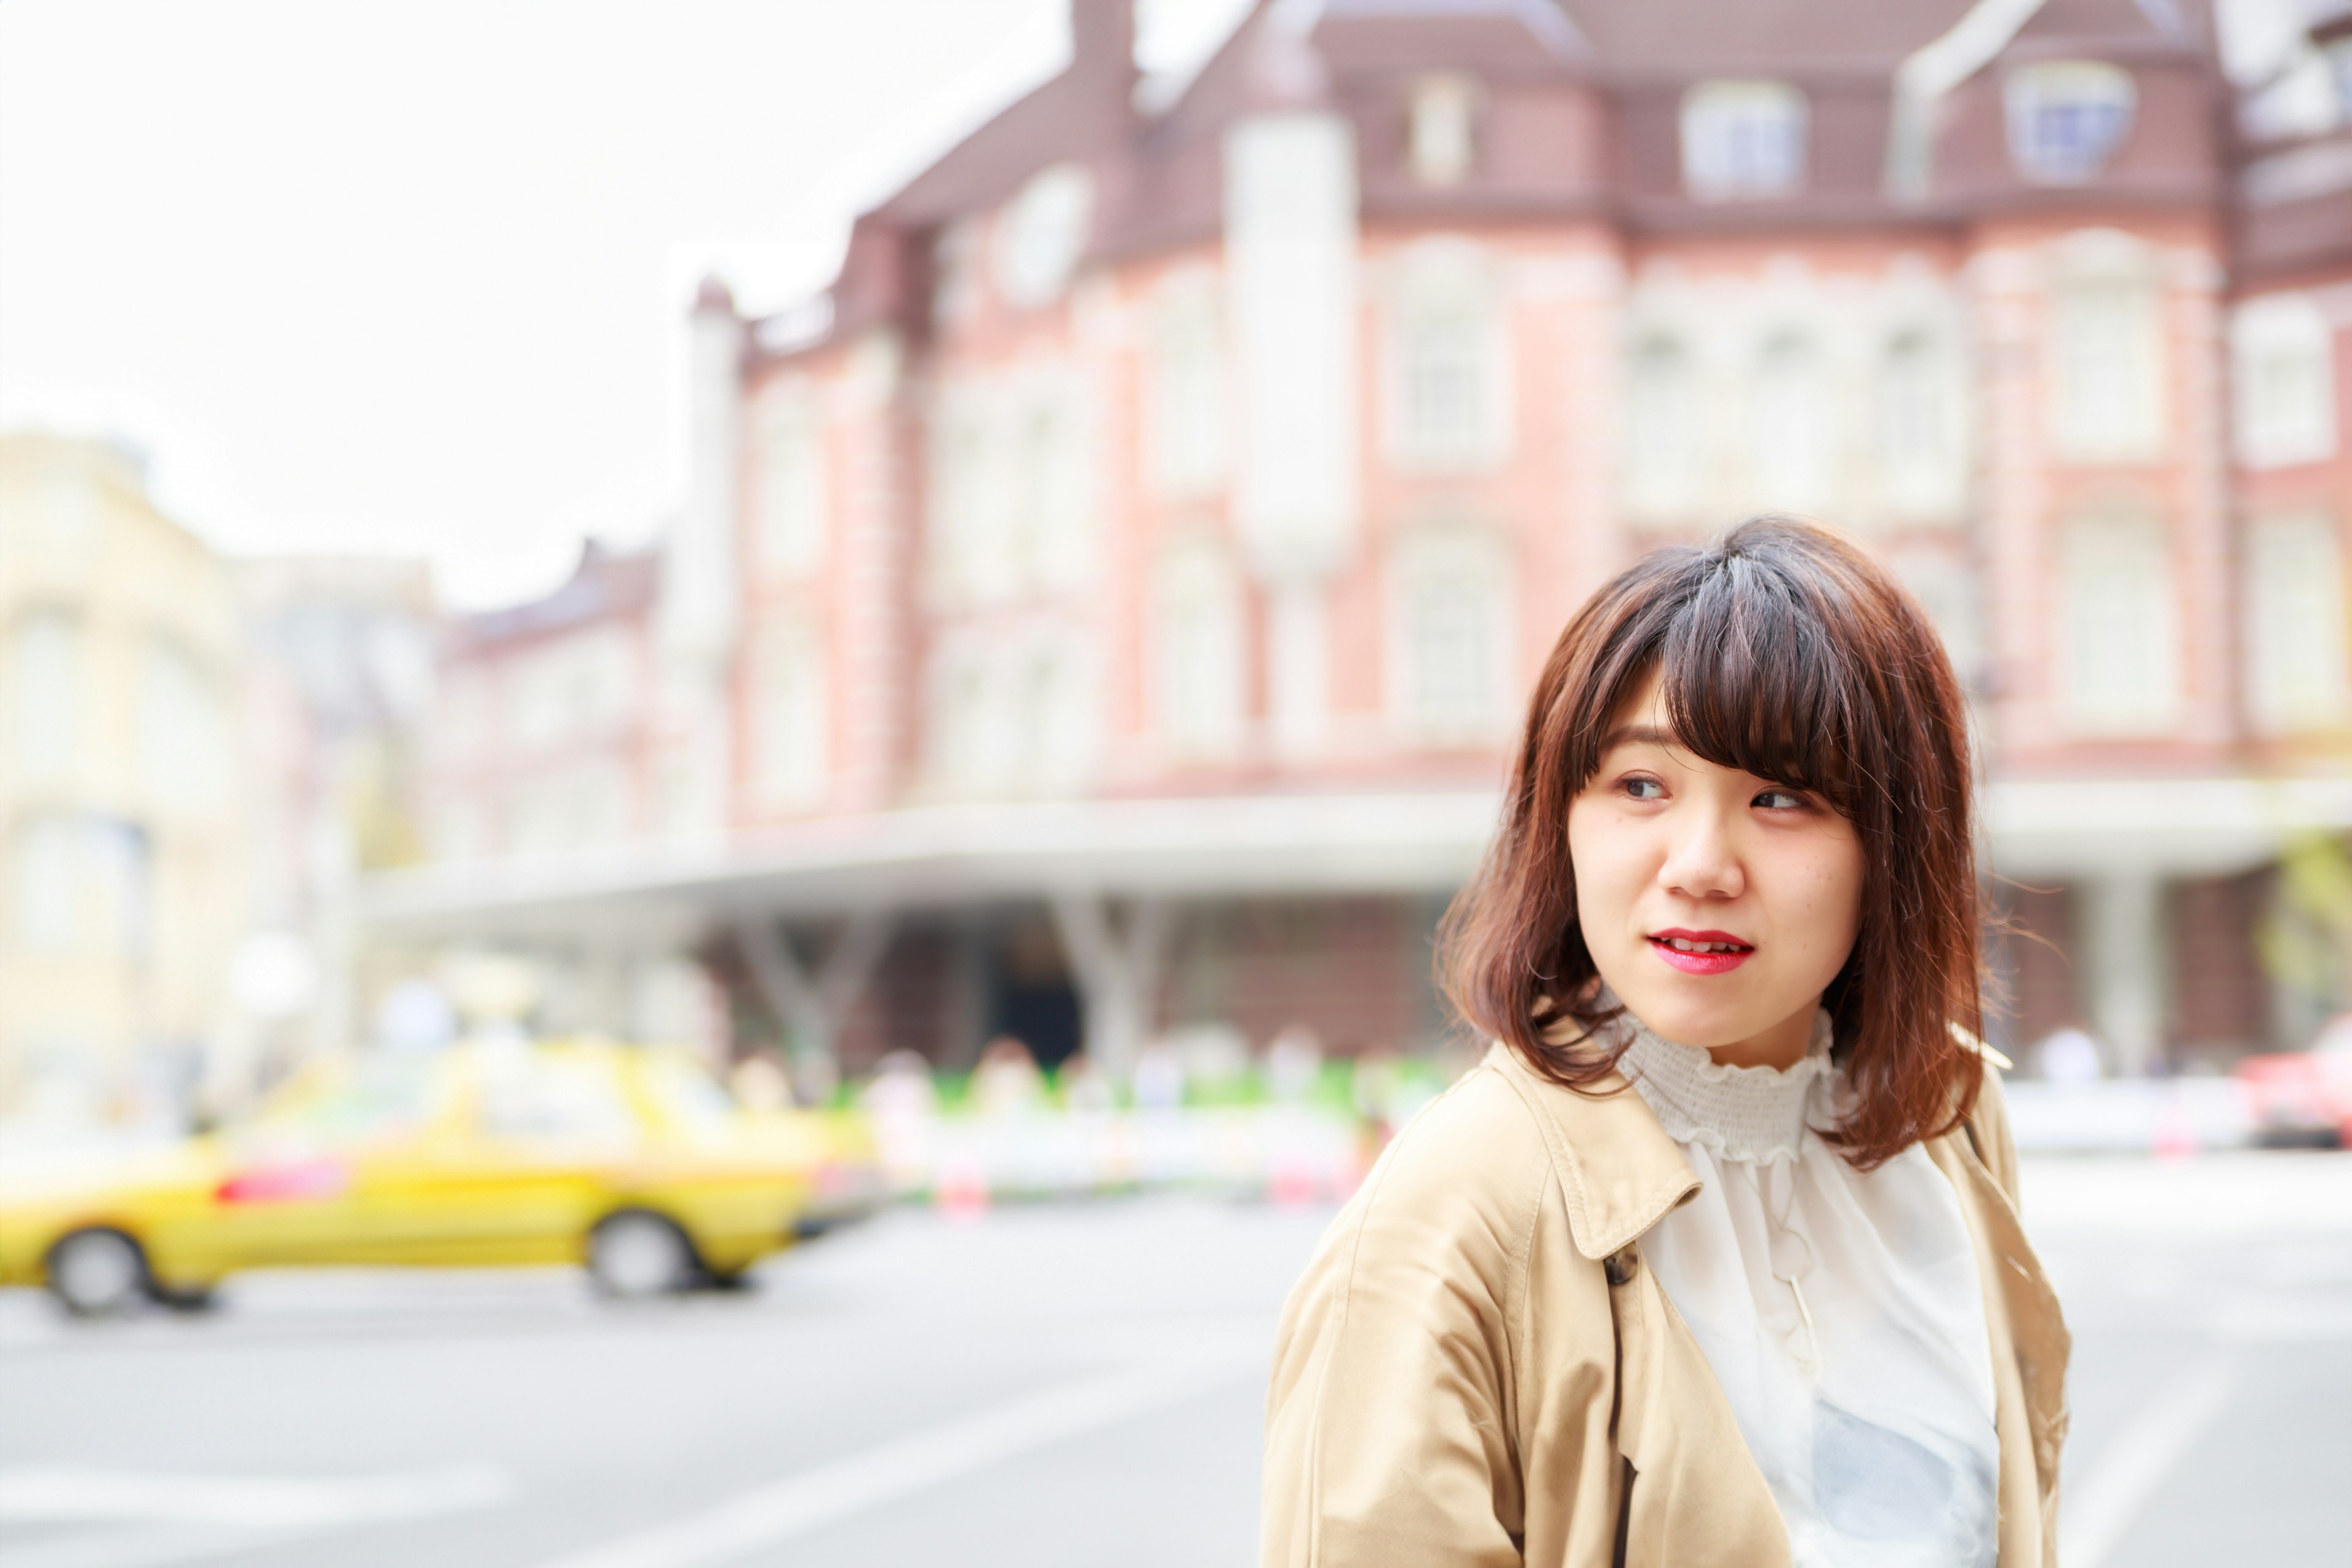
[1687, 1270]
[2069, 1056]
[1006, 1082]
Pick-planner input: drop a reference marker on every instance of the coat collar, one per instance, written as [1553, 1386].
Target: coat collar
[1619, 1171]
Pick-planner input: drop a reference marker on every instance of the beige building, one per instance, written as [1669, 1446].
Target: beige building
[123, 835]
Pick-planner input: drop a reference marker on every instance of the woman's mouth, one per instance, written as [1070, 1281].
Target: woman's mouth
[1701, 952]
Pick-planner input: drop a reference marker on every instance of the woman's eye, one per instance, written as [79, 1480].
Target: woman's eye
[1645, 789]
[1779, 800]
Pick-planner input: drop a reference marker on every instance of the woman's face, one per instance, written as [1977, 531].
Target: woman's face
[1717, 905]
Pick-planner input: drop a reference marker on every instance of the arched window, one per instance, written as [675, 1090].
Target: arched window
[1662, 445]
[792, 711]
[1789, 423]
[1450, 379]
[791, 493]
[1452, 637]
[1441, 124]
[1042, 233]
[1919, 460]
[2282, 352]
[2118, 644]
[1185, 395]
[2296, 675]
[1198, 665]
[2106, 356]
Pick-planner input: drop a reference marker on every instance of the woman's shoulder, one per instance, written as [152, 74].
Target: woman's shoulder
[1473, 1155]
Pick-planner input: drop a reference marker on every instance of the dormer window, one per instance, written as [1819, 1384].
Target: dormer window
[1440, 123]
[1743, 141]
[2066, 117]
[1043, 232]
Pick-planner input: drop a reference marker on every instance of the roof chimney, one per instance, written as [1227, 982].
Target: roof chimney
[1102, 41]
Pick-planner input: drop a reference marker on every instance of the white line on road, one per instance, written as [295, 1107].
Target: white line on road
[184, 1517]
[818, 1496]
[2094, 1516]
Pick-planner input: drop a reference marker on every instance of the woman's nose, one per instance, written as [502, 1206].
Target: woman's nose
[1701, 862]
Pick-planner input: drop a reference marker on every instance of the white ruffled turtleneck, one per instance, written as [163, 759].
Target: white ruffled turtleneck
[1840, 1310]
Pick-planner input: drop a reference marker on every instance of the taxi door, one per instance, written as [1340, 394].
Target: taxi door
[296, 1184]
[526, 1164]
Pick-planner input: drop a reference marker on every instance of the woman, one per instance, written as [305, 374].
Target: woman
[1715, 1257]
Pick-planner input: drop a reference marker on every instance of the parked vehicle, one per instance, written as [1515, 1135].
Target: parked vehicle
[632, 1160]
[2303, 1097]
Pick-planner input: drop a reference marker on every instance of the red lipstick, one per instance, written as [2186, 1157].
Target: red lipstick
[1700, 951]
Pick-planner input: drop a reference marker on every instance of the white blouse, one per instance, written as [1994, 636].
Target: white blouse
[1840, 1310]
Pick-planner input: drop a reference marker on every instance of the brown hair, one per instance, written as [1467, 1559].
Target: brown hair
[1783, 651]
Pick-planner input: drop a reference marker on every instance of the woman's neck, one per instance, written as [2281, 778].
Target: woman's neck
[1782, 1046]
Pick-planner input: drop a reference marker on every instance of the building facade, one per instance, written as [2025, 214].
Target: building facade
[123, 800]
[1103, 609]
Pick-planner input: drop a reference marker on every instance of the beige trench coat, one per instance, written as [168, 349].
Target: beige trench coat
[1476, 1368]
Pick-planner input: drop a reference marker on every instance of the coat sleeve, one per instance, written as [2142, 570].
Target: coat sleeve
[1390, 1421]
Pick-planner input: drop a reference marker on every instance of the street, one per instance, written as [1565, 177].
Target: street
[1070, 1384]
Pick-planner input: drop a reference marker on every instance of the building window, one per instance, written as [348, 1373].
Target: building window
[2296, 673]
[1198, 675]
[2118, 646]
[1042, 233]
[1440, 123]
[975, 736]
[1919, 427]
[47, 697]
[183, 745]
[1055, 513]
[790, 713]
[1743, 141]
[1185, 389]
[1453, 638]
[1058, 725]
[2066, 117]
[976, 499]
[2283, 354]
[82, 882]
[1662, 445]
[1790, 427]
[2107, 369]
[791, 498]
[1449, 388]
[575, 687]
[1950, 591]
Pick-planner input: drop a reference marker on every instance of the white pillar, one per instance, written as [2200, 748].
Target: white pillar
[811, 1006]
[1118, 975]
[2123, 957]
[700, 583]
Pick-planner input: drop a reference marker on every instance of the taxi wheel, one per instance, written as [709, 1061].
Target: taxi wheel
[97, 1273]
[635, 1254]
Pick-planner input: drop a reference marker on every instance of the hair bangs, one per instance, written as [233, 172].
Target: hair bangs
[1754, 679]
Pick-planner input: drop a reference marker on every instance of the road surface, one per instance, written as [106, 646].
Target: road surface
[1074, 1384]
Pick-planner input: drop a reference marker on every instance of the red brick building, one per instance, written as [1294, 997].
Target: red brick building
[1102, 608]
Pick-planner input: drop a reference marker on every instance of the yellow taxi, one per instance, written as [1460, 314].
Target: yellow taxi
[631, 1160]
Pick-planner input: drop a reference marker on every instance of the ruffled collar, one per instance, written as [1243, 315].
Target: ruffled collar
[1753, 1113]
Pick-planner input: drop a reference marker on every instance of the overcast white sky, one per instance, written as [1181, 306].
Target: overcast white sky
[408, 278]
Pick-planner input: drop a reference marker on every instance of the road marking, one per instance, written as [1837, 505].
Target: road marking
[184, 1517]
[2095, 1516]
[801, 1502]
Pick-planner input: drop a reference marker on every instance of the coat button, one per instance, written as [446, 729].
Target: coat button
[1619, 1265]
